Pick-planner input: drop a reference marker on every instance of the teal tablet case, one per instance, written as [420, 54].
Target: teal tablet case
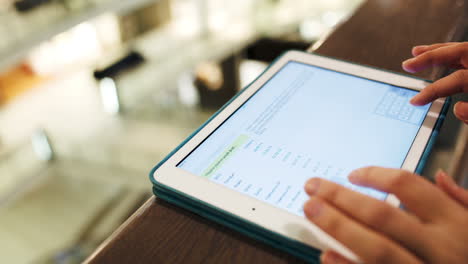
[298, 249]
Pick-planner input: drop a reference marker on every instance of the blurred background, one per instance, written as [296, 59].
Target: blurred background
[93, 93]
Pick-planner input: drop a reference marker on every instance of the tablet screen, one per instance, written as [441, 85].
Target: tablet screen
[306, 122]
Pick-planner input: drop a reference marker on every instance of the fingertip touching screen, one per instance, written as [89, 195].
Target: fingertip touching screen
[307, 122]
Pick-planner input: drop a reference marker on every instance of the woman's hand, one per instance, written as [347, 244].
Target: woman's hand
[434, 232]
[446, 183]
[453, 55]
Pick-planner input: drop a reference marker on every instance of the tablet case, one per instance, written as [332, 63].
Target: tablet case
[298, 249]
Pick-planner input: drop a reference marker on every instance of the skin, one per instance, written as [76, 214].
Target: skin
[378, 233]
[453, 55]
[433, 229]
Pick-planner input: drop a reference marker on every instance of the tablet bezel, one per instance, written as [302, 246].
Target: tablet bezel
[241, 205]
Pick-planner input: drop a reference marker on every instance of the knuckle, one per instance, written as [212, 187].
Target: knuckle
[463, 47]
[461, 77]
[382, 254]
[330, 192]
[434, 92]
[398, 180]
[463, 50]
[429, 57]
[334, 227]
[385, 253]
[379, 216]
[371, 171]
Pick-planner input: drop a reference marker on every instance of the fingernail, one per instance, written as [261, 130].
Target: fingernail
[448, 180]
[415, 100]
[441, 172]
[421, 46]
[405, 65]
[415, 48]
[354, 175]
[313, 208]
[407, 61]
[312, 186]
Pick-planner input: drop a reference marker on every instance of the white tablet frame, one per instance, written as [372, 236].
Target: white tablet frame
[283, 222]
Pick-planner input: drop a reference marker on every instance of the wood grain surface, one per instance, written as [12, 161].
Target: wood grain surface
[380, 33]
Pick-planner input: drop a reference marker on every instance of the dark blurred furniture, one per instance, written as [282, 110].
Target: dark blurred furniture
[380, 33]
[268, 49]
[131, 60]
[28, 5]
[215, 97]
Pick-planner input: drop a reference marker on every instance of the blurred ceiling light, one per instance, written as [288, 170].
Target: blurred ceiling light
[218, 21]
[331, 18]
[188, 22]
[311, 29]
[82, 44]
[285, 15]
[78, 45]
[109, 96]
[250, 70]
[333, 3]
[187, 91]
[41, 145]
[108, 30]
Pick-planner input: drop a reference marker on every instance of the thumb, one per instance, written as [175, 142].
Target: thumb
[461, 111]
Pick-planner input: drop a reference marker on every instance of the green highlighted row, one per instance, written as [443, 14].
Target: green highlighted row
[225, 155]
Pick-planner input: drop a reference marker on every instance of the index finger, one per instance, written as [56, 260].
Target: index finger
[451, 55]
[418, 50]
[419, 195]
[378, 215]
[456, 82]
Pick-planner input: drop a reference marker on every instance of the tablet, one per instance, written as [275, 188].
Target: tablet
[305, 116]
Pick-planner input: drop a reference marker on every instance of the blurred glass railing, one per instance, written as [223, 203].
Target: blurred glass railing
[21, 167]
